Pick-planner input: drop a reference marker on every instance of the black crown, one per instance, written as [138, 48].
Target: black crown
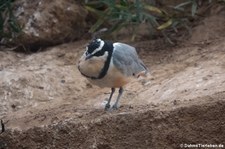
[94, 44]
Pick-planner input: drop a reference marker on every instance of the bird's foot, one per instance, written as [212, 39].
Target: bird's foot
[115, 107]
[107, 107]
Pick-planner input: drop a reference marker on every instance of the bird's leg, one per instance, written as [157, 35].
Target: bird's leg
[107, 106]
[115, 106]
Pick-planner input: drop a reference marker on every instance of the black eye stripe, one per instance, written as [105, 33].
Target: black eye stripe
[93, 45]
[99, 53]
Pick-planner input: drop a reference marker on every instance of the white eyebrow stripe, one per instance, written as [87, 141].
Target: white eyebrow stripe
[100, 47]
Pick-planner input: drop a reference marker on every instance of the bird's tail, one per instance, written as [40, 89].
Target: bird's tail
[144, 71]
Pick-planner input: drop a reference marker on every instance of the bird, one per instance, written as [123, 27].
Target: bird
[111, 65]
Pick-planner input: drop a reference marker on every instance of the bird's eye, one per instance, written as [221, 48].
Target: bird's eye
[86, 53]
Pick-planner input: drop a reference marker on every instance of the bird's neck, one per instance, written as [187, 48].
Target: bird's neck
[109, 47]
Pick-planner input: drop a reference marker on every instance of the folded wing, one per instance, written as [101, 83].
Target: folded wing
[125, 59]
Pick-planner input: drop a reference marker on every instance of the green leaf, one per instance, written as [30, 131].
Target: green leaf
[165, 25]
[182, 4]
[120, 7]
[14, 26]
[123, 2]
[153, 9]
[96, 25]
[194, 8]
[151, 19]
[93, 10]
[118, 26]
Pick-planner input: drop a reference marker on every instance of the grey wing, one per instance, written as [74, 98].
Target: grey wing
[125, 59]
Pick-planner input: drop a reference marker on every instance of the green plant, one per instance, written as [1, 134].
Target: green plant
[131, 13]
[123, 14]
[8, 24]
[192, 3]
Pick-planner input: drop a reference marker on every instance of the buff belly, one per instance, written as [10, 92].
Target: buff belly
[113, 79]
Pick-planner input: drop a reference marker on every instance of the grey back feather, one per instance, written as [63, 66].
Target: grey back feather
[125, 59]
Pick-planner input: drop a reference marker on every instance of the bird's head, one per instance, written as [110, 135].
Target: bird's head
[95, 49]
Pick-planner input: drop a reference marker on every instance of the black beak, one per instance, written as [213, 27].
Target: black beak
[88, 56]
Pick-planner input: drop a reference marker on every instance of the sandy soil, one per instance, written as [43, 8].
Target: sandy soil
[46, 103]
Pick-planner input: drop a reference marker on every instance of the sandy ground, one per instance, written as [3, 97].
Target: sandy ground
[46, 103]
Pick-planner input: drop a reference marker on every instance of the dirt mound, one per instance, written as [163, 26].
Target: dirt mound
[139, 127]
[48, 104]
